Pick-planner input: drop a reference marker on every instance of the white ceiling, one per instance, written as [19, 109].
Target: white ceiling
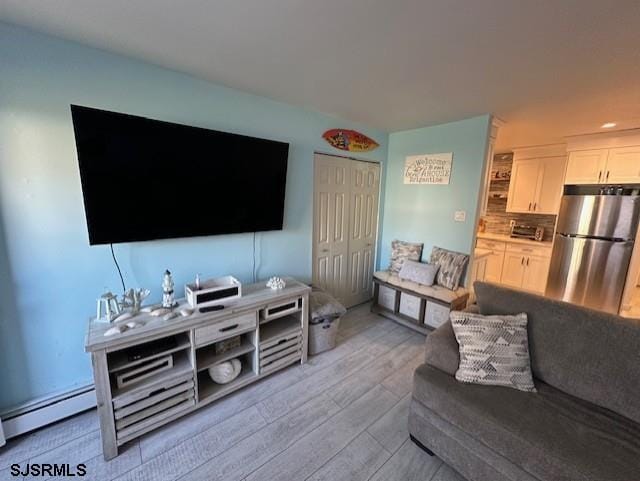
[549, 68]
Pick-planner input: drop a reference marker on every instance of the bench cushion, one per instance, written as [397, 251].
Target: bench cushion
[435, 291]
[550, 435]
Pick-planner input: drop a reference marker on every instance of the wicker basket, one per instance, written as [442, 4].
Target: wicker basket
[322, 334]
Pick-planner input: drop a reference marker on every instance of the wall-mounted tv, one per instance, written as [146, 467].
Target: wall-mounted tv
[146, 179]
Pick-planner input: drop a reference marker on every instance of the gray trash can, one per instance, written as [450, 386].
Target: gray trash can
[324, 321]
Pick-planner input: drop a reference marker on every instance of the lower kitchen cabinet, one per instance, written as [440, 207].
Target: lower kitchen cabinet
[517, 265]
[513, 270]
[535, 274]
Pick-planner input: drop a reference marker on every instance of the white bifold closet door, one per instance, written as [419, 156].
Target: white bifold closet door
[345, 225]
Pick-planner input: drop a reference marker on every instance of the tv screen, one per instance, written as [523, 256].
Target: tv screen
[145, 179]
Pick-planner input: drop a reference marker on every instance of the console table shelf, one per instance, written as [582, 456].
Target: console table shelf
[209, 390]
[153, 374]
[209, 357]
[275, 329]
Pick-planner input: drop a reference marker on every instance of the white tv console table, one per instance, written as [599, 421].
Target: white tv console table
[173, 381]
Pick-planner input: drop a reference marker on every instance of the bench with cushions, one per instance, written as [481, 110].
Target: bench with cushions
[419, 305]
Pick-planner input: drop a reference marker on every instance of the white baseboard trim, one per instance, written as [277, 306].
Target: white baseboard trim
[35, 415]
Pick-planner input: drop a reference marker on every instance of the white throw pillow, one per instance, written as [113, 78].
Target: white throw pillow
[419, 272]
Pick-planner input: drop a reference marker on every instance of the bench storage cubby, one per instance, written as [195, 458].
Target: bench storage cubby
[419, 307]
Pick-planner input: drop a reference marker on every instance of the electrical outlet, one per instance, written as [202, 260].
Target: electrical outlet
[460, 216]
[512, 223]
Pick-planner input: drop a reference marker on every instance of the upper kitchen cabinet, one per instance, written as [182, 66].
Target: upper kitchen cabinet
[607, 158]
[586, 166]
[536, 180]
[623, 165]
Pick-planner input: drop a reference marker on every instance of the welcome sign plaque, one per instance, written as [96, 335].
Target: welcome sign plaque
[428, 168]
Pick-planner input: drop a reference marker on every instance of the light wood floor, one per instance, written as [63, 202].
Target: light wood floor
[342, 416]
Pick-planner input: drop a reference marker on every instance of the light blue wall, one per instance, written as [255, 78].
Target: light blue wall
[424, 213]
[50, 277]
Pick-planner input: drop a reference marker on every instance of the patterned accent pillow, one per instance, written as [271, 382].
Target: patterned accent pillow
[494, 350]
[401, 251]
[419, 272]
[452, 266]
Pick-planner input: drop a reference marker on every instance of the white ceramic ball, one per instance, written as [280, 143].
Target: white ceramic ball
[225, 372]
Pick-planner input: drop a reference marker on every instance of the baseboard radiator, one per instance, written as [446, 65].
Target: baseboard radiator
[36, 414]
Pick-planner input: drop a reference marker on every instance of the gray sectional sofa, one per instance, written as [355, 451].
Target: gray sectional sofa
[583, 424]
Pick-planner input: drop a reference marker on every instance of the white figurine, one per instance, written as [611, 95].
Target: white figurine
[133, 299]
[276, 283]
[168, 297]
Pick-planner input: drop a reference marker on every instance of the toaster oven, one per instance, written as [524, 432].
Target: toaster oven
[522, 231]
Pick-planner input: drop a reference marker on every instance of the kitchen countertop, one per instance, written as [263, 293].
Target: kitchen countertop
[481, 253]
[513, 240]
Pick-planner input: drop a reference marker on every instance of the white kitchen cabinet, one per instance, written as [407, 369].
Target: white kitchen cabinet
[513, 270]
[523, 186]
[549, 193]
[623, 166]
[536, 185]
[586, 166]
[493, 269]
[526, 267]
[620, 165]
[518, 264]
[536, 270]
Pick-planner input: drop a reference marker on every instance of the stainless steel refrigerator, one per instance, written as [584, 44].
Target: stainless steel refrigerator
[592, 250]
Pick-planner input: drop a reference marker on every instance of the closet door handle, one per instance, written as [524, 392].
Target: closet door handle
[527, 261]
[522, 261]
[607, 178]
[599, 175]
[534, 205]
[529, 205]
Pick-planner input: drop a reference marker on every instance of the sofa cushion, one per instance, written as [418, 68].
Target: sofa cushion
[494, 350]
[452, 266]
[435, 291]
[401, 251]
[441, 349]
[589, 354]
[419, 272]
[549, 434]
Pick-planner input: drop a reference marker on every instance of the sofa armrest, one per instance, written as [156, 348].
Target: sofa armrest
[473, 308]
[441, 349]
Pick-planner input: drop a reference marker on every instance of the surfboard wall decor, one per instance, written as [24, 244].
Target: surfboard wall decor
[349, 140]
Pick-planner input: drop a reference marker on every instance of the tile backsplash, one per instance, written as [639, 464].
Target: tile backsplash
[497, 218]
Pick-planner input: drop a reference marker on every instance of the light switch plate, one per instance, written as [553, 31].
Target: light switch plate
[460, 216]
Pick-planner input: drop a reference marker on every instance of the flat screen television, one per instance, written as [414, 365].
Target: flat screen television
[145, 179]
